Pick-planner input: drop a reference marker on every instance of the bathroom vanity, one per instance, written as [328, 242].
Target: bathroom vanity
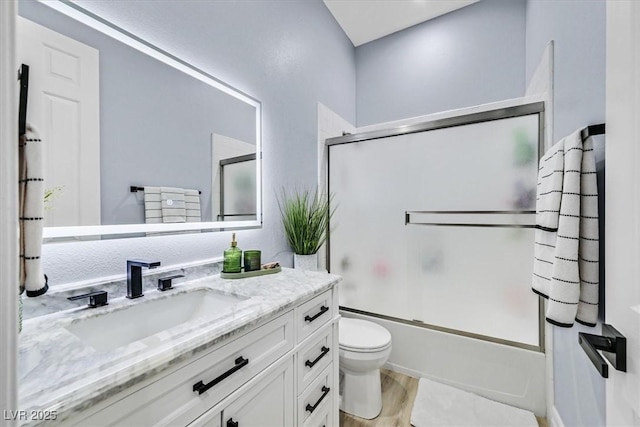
[260, 351]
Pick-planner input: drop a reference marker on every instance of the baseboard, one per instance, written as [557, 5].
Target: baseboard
[554, 418]
[402, 370]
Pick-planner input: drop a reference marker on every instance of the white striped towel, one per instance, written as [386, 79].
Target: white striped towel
[565, 268]
[192, 205]
[173, 204]
[152, 205]
[31, 189]
[164, 205]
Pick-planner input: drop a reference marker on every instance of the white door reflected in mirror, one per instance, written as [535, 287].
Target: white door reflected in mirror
[64, 106]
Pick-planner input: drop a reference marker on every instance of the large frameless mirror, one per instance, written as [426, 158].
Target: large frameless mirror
[136, 141]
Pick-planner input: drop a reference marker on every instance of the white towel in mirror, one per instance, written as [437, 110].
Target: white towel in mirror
[31, 194]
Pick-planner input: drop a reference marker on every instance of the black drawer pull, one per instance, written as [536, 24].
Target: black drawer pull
[322, 311]
[231, 423]
[325, 391]
[201, 387]
[324, 352]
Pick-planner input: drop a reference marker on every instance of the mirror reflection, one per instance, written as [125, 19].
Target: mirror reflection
[130, 139]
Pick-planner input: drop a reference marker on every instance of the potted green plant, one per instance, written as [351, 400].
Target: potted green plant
[305, 217]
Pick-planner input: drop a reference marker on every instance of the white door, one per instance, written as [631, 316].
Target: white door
[622, 309]
[63, 105]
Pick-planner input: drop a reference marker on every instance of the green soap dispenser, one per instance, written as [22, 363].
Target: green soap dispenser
[232, 257]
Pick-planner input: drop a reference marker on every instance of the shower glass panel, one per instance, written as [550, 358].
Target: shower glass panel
[435, 227]
[238, 188]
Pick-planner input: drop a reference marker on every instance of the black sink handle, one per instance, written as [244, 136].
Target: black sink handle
[96, 299]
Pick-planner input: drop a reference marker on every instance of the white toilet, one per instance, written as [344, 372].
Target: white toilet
[364, 347]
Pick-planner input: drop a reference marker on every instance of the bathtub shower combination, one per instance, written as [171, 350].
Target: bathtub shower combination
[435, 224]
[434, 228]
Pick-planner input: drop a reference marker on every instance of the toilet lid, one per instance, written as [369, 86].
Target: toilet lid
[356, 334]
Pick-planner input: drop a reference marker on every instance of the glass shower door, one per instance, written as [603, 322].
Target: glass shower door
[435, 227]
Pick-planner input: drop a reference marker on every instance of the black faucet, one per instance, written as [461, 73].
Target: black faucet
[134, 276]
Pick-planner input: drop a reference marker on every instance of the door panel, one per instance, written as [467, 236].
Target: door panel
[622, 308]
[63, 105]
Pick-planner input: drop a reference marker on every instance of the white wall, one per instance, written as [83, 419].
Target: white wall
[578, 31]
[472, 56]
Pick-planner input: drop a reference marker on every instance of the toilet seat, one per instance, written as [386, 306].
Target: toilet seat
[362, 336]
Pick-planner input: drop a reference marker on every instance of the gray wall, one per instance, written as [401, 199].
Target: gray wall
[289, 55]
[578, 28]
[472, 56]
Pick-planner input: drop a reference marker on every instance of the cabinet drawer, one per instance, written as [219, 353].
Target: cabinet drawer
[174, 399]
[315, 356]
[318, 397]
[321, 418]
[264, 402]
[311, 315]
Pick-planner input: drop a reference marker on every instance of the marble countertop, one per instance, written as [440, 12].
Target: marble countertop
[60, 372]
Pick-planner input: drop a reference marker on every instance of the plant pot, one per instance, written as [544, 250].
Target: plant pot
[306, 262]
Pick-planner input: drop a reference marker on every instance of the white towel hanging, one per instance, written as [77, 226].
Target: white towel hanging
[152, 205]
[192, 205]
[173, 205]
[31, 218]
[565, 269]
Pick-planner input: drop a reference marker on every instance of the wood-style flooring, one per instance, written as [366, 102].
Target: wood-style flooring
[398, 393]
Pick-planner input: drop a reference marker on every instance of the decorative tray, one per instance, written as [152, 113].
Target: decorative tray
[254, 273]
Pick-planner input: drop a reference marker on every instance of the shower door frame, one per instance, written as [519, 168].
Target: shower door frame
[534, 108]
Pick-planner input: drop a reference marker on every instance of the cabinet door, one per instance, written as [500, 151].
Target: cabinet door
[321, 395]
[209, 419]
[268, 403]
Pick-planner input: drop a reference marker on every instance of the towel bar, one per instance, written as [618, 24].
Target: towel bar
[135, 189]
[613, 345]
[418, 218]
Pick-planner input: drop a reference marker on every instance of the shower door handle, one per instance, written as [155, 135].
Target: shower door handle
[613, 345]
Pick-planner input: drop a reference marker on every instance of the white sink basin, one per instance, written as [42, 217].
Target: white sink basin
[144, 321]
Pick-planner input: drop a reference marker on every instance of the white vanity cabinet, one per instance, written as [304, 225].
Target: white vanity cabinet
[267, 402]
[296, 391]
[317, 361]
[282, 373]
